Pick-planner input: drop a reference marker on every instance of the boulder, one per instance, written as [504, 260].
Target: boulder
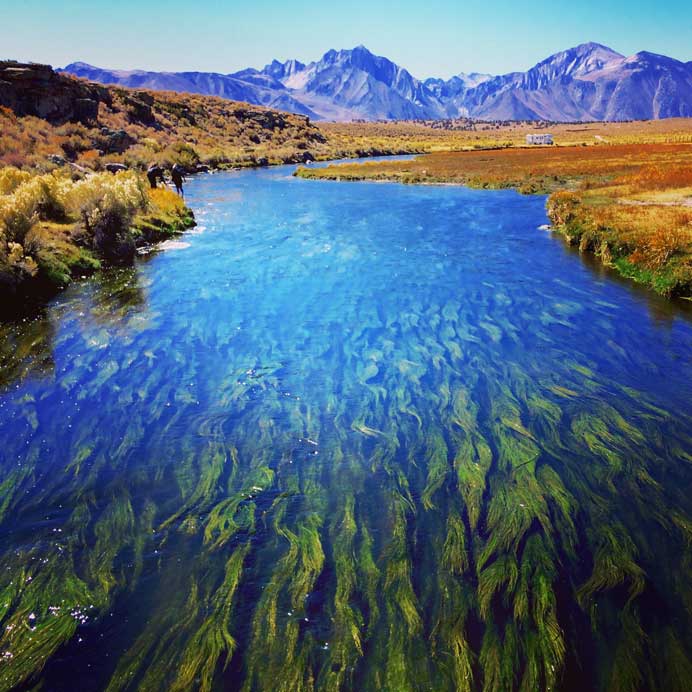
[112, 141]
[116, 141]
[86, 110]
[139, 107]
[115, 167]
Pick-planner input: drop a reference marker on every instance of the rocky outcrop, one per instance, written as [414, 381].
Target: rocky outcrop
[113, 141]
[32, 89]
[139, 106]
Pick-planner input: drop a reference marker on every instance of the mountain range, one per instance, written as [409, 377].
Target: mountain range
[588, 82]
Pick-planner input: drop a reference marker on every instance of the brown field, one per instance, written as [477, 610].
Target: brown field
[630, 204]
[535, 169]
[463, 135]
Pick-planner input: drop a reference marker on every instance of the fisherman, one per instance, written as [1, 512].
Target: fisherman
[154, 174]
[178, 176]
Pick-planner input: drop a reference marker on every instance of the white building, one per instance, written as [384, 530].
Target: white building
[546, 138]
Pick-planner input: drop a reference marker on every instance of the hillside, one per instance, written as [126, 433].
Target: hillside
[48, 114]
[585, 83]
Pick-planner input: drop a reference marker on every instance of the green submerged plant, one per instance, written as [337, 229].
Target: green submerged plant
[437, 519]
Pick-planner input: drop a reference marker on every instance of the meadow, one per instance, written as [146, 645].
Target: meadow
[468, 135]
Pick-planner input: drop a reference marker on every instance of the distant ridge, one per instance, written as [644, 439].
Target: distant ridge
[587, 82]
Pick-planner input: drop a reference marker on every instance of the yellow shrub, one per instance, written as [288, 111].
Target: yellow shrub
[660, 177]
[660, 241]
[562, 207]
[39, 197]
[19, 261]
[166, 200]
[11, 178]
[91, 197]
[104, 203]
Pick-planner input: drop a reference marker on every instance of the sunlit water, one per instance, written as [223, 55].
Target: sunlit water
[348, 436]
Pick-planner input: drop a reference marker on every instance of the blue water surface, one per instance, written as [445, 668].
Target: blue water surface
[298, 442]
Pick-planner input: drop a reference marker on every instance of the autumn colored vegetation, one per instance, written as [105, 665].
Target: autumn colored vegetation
[640, 223]
[629, 203]
[362, 138]
[141, 128]
[55, 226]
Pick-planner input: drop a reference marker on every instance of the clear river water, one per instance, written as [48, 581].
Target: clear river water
[348, 436]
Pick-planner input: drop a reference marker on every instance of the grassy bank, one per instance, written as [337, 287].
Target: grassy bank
[55, 227]
[629, 203]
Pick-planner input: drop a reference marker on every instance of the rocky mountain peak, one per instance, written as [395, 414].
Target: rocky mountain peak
[283, 70]
[589, 81]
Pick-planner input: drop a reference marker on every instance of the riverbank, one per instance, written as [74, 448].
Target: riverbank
[629, 204]
[55, 228]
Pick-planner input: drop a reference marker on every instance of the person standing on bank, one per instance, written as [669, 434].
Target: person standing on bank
[178, 176]
[154, 175]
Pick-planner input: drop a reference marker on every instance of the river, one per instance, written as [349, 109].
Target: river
[348, 436]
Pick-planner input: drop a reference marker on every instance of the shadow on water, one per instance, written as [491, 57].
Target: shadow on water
[27, 343]
[662, 310]
[115, 295]
[26, 349]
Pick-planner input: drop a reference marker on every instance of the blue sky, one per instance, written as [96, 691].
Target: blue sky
[429, 38]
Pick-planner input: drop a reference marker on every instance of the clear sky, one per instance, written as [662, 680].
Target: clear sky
[429, 37]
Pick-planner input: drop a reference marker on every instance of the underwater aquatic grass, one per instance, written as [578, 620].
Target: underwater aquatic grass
[427, 500]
